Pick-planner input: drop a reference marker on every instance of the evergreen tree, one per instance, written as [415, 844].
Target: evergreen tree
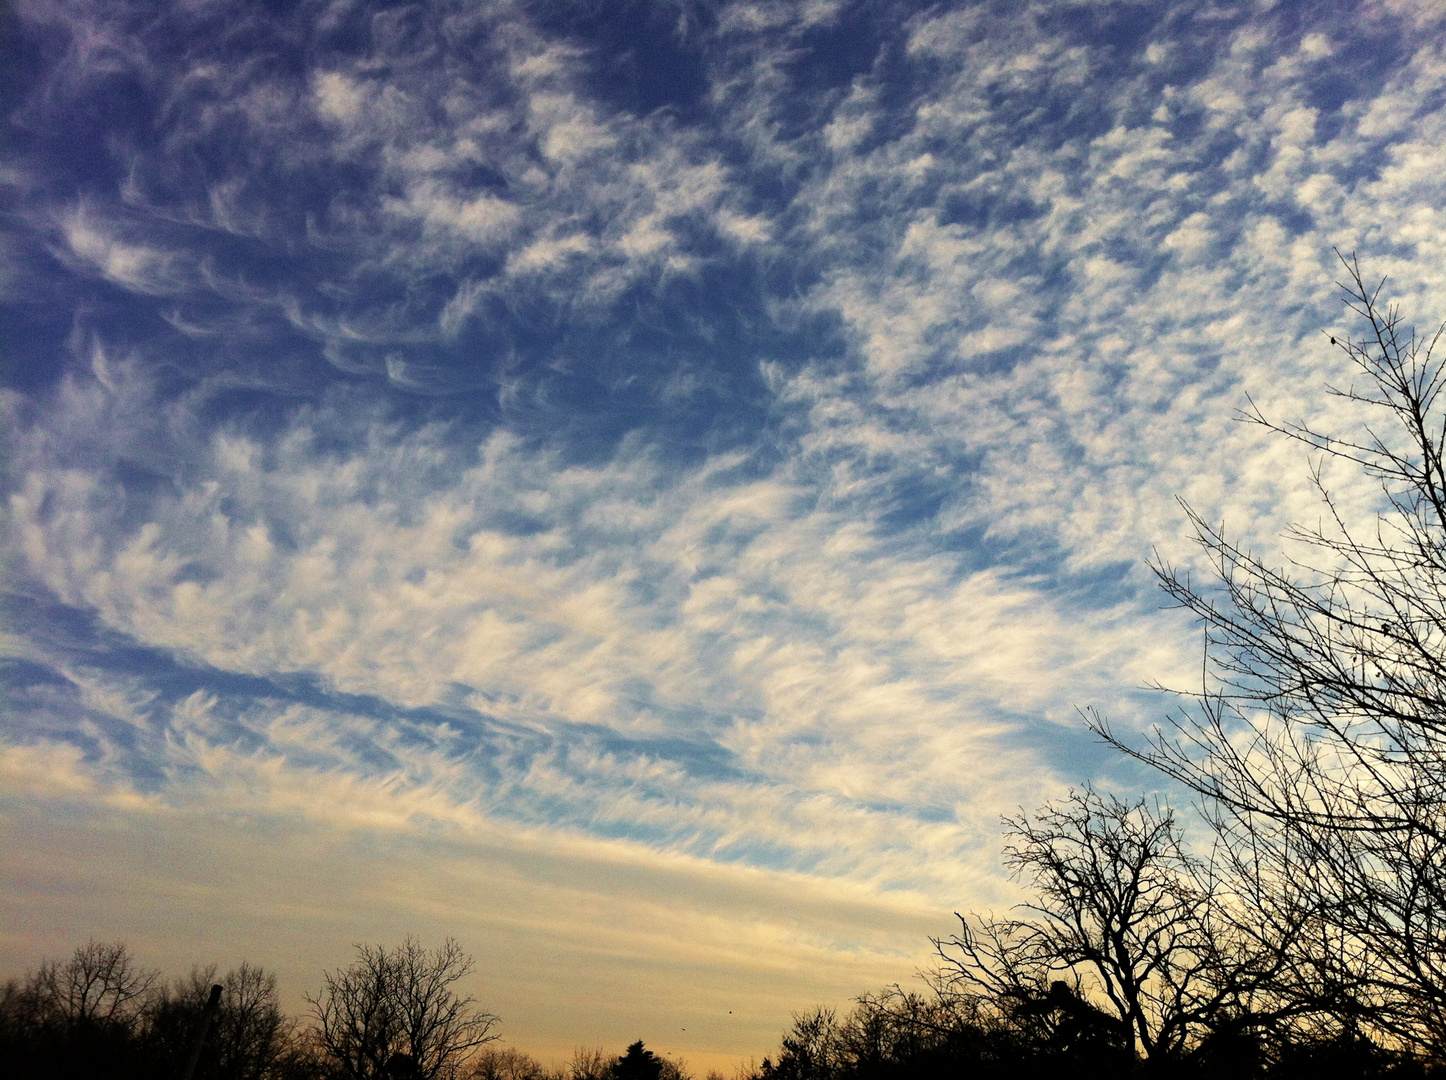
[637, 1064]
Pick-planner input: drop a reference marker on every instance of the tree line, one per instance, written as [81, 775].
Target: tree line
[392, 1014]
[1305, 937]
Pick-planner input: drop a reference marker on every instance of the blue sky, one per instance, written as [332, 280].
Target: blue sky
[640, 487]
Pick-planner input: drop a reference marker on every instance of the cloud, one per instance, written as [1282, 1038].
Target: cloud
[687, 615]
[721, 454]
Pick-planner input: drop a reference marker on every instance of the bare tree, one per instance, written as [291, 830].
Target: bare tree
[249, 1038]
[1318, 735]
[1129, 941]
[75, 1017]
[810, 1050]
[589, 1063]
[253, 1036]
[394, 1010]
[506, 1063]
[99, 986]
[941, 1032]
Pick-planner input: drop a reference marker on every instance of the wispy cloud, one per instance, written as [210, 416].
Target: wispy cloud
[711, 453]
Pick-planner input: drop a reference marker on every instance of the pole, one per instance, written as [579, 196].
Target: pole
[208, 1015]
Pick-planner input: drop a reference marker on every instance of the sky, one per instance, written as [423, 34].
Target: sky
[642, 487]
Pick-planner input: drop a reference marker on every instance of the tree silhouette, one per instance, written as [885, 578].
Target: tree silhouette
[637, 1064]
[1126, 946]
[78, 1017]
[1318, 737]
[394, 1014]
[250, 1037]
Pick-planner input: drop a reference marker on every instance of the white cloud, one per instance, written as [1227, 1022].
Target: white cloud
[483, 219]
[1001, 323]
[339, 97]
[140, 267]
[841, 670]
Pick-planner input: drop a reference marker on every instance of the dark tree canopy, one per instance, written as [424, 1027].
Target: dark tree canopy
[637, 1063]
